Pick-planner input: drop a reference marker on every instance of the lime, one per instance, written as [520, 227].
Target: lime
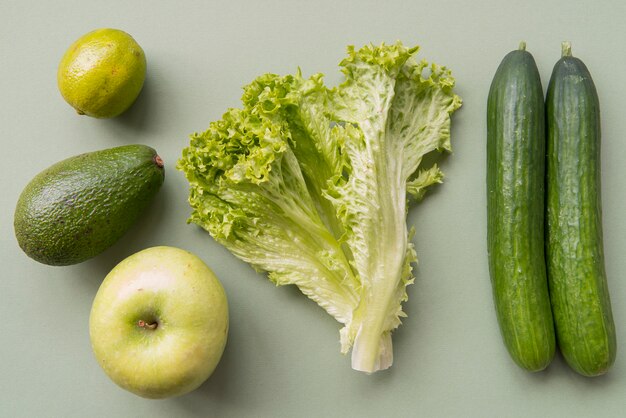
[102, 73]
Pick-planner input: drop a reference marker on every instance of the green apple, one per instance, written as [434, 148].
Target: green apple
[159, 323]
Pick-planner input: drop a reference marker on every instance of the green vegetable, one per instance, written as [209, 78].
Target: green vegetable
[310, 184]
[578, 286]
[80, 206]
[515, 208]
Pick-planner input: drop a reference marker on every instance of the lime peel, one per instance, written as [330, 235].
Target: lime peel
[102, 73]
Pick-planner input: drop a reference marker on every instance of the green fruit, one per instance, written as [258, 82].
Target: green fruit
[159, 323]
[575, 255]
[80, 206]
[102, 73]
[515, 208]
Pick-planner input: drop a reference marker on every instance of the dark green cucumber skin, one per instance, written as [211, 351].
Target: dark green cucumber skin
[574, 245]
[80, 206]
[515, 209]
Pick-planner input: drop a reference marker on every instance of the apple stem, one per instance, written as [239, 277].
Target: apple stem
[144, 324]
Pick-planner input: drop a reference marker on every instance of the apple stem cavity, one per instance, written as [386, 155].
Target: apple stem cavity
[143, 324]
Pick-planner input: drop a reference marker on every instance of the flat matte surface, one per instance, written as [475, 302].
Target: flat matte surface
[282, 358]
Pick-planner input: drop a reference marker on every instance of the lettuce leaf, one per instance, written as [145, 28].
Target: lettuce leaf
[310, 184]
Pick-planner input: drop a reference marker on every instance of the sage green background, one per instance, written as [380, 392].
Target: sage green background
[282, 358]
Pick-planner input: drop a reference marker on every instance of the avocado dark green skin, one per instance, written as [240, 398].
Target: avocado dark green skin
[515, 211]
[574, 247]
[80, 206]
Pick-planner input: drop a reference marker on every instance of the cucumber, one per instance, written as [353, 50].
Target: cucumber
[574, 247]
[515, 209]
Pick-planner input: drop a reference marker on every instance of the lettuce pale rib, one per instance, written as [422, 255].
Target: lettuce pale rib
[310, 184]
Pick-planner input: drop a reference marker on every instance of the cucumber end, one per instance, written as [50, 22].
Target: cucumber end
[522, 46]
[566, 49]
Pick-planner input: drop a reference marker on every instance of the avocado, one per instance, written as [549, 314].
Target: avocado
[80, 206]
